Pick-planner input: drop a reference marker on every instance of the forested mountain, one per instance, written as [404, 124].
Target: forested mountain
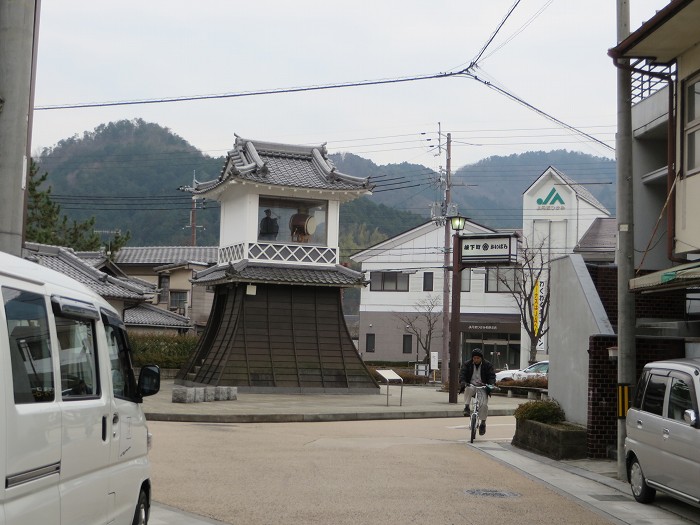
[126, 174]
[489, 192]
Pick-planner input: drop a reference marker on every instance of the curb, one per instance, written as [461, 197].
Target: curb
[310, 418]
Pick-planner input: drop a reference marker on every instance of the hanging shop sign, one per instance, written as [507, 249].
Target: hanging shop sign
[488, 249]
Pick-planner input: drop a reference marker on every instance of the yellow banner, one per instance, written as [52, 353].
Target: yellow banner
[536, 308]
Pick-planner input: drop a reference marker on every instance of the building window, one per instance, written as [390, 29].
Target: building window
[292, 220]
[407, 343]
[178, 301]
[428, 281]
[692, 127]
[466, 275]
[388, 282]
[369, 342]
[500, 279]
[163, 288]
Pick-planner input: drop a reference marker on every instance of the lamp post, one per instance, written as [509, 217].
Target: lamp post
[457, 223]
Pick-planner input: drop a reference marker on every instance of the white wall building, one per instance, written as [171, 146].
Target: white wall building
[408, 270]
[557, 212]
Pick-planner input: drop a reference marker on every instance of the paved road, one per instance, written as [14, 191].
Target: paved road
[399, 471]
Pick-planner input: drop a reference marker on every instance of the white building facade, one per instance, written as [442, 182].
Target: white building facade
[406, 274]
[557, 212]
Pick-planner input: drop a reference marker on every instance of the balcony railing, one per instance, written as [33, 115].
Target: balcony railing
[278, 252]
[649, 78]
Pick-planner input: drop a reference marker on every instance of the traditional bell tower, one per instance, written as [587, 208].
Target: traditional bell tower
[277, 319]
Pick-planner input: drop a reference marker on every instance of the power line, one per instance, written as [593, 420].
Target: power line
[274, 91]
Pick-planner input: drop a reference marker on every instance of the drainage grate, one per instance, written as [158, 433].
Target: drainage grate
[490, 493]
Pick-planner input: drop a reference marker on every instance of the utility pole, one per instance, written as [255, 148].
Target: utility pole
[19, 29]
[627, 352]
[444, 369]
[193, 215]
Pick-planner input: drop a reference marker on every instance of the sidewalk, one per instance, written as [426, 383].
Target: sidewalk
[416, 402]
[592, 483]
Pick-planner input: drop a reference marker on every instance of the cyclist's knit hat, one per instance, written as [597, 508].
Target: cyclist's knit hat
[477, 351]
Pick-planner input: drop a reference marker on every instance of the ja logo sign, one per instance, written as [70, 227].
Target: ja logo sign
[553, 201]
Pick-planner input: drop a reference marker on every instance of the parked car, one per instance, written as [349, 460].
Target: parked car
[73, 433]
[539, 369]
[662, 446]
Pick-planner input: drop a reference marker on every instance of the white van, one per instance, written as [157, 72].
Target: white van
[73, 440]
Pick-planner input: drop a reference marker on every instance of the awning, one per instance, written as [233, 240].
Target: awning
[675, 278]
[665, 36]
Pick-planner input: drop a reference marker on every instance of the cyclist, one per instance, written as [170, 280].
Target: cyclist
[476, 372]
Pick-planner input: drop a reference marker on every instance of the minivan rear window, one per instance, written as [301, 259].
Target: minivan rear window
[30, 346]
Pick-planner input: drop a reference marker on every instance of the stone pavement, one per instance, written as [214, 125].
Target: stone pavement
[592, 483]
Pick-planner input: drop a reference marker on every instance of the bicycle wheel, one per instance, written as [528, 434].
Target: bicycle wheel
[474, 423]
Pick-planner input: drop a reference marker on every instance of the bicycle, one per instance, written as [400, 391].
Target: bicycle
[474, 420]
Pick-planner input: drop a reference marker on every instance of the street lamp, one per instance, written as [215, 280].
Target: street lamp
[457, 223]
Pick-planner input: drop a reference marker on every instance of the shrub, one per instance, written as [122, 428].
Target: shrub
[164, 350]
[531, 382]
[543, 411]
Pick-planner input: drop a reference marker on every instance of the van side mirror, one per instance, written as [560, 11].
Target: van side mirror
[149, 380]
[690, 417]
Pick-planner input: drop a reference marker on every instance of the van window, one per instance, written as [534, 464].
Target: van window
[639, 391]
[679, 400]
[79, 372]
[30, 346]
[123, 379]
[654, 396]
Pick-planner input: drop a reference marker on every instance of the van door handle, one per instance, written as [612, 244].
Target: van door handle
[666, 433]
[639, 423]
[115, 422]
[104, 428]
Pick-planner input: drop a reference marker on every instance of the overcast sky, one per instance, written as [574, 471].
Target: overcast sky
[550, 53]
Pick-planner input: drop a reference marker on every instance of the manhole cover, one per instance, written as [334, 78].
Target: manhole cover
[490, 493]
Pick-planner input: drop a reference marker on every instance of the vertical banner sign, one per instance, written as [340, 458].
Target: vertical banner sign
[536, 308]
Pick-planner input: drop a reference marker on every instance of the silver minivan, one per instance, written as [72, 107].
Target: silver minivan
[662, 447]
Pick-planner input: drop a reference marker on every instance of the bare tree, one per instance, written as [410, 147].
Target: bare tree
[423, 323]
[528, 284]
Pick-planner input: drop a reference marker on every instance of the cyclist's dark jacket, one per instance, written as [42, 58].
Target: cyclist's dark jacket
[488, 374]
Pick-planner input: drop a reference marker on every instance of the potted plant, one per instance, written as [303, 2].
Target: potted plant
[541, 427]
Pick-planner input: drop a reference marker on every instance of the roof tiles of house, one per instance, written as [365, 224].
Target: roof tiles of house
[65, 261]
[252, 273]
[581, 190]
[282, 165]
[159, 255]
[601, 236]
[148, 315]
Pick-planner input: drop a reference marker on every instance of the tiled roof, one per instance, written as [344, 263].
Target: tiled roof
[94, 259]
[600, 237]
[149, 315]
[159, 255]
[65, 261]
[253, 273]
[580, 190]
[282, 165]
